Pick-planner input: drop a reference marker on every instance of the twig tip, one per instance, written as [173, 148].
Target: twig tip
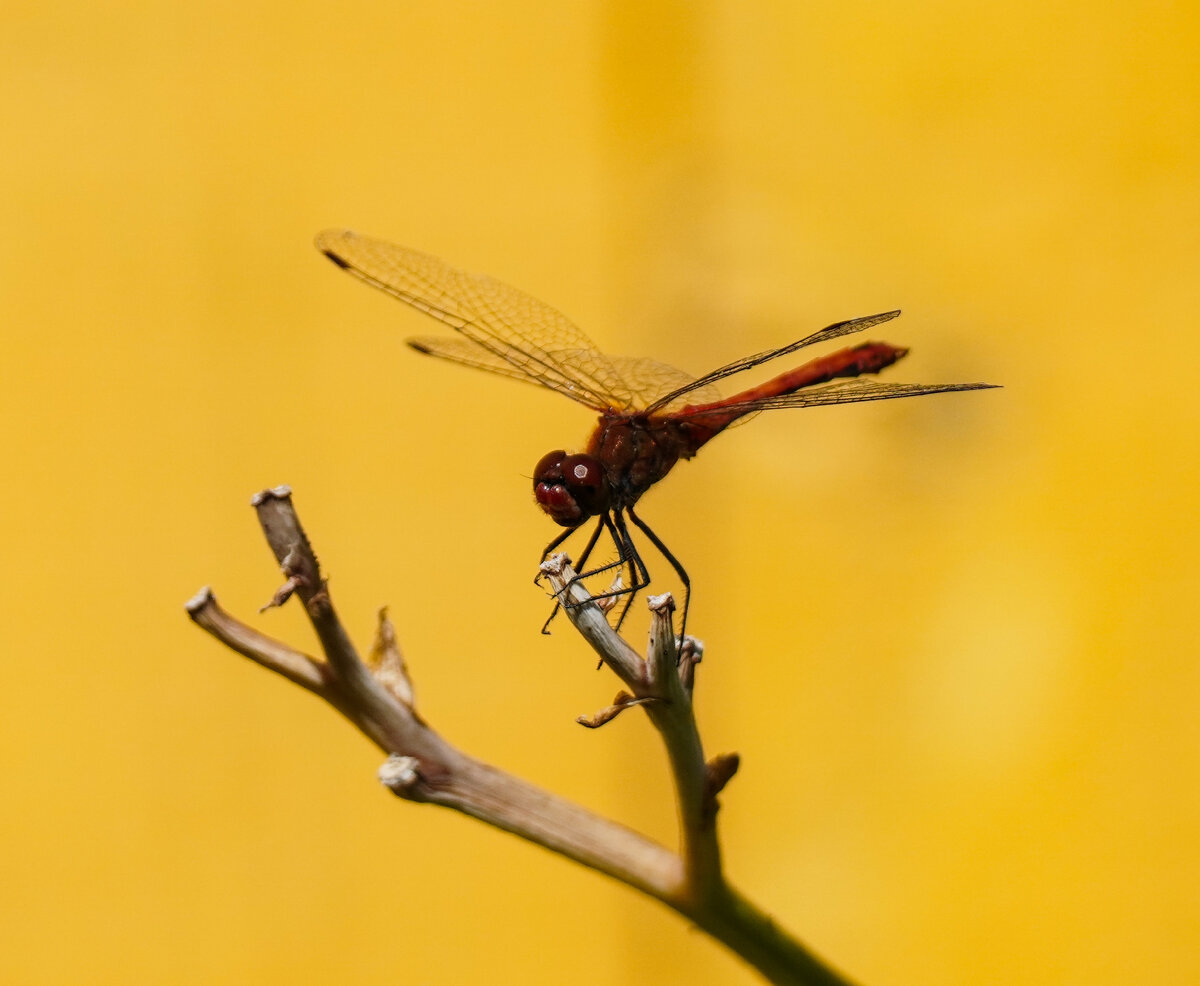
[273, 493]
[554, 564]
[399, 774]
[664, 603]
[199, 600]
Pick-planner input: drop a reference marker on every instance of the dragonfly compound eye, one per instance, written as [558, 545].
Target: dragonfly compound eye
[552, 496]
[570, 488]
[583, 476]
[549, 468]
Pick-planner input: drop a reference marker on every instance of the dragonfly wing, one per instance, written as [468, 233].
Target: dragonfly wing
[648, 378]
[538, 343]
[838, 392]
[643, 378]
[834, 331]
[456, 349]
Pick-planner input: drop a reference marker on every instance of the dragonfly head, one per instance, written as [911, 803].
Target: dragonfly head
[570, 488]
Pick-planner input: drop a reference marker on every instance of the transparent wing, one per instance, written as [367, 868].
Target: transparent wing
[648, 379]
[838, 392]
[644, 378]
[467, 353]
[534, 341]
[838, 329]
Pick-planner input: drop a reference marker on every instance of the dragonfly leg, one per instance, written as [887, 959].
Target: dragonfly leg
[621, 542]
[639, 575]
[679, 569]
[626, 556]
[557, 541]
[587, 550]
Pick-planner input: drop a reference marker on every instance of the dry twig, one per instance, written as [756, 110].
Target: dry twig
[377, 696]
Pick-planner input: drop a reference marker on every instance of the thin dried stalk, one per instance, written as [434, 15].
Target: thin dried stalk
[377, 696]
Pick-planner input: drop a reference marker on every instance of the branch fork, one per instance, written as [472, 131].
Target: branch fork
[377, 695]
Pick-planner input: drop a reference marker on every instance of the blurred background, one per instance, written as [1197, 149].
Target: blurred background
[951, 637]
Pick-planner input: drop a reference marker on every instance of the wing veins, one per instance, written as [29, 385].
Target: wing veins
[579, 380]
[551, 375]
[823, 335]
[841, 392]
[467, 310]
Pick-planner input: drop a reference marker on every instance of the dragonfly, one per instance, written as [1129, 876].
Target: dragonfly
[651, 415]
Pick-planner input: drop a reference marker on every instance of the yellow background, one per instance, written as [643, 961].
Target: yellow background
[953, 638]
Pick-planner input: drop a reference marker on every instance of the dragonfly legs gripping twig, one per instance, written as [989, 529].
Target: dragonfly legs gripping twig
[582, 561]
[627, 556]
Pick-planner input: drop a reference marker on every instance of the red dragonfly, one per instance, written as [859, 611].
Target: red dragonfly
[651, 415]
